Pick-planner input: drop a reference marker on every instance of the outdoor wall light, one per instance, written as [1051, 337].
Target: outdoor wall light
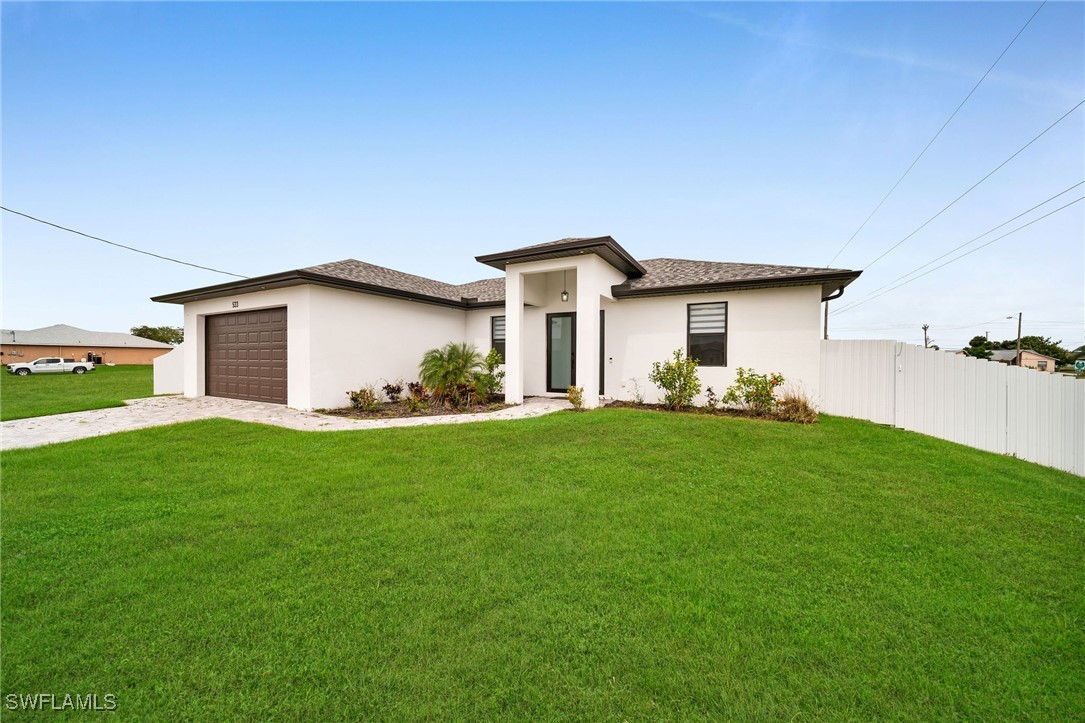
[564, 285]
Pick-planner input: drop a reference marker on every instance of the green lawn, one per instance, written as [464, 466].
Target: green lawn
[613, 565]
[40, 394]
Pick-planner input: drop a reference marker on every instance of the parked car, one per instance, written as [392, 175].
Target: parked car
[51, 365]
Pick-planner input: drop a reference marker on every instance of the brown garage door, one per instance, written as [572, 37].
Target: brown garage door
[246, 355]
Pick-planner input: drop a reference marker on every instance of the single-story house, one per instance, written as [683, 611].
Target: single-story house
[71, 342]
[578, 311]
[1029, 358]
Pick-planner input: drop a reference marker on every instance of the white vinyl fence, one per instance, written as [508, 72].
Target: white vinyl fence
[1009, 410]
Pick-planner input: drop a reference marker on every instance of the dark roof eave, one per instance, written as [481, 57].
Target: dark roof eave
[500, 260]
[827, 281]
[299, 277]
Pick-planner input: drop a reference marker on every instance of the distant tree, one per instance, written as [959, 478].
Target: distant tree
[977, 341]
[980, 352]
[1042, 345]
[164, 334]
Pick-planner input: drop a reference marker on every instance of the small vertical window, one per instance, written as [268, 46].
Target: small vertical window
[497, 335]
[707, 334]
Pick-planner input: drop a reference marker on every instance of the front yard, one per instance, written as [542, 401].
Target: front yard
[40, 394]
[612, 565]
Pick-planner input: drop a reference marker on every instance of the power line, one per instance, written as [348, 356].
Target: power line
[974, 185]
[958, 258]
[113, 243]
[932, 140]
[977, 238]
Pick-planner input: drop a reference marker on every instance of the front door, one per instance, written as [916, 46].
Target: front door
[560, 351]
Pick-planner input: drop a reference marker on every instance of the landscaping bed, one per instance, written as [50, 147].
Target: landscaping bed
[773, 416]
[402, 408]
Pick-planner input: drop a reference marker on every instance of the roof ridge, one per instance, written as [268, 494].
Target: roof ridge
[743, 263]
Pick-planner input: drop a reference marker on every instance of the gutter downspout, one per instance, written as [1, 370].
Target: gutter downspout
[827, 299]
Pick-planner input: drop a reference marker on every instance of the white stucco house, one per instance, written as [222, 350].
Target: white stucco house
[579, 311]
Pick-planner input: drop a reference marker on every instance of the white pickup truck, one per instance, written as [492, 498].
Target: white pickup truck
[51, 365]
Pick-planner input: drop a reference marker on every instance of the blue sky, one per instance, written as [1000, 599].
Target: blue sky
[258, 138]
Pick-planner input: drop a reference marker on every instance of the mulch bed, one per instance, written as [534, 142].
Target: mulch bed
[717, 412]
[396, 410]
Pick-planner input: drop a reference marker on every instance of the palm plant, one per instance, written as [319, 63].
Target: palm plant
[449, 369]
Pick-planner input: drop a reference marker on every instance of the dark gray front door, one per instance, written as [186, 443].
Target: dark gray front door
[560, 351]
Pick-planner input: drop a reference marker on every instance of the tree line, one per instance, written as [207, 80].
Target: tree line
[981, 347]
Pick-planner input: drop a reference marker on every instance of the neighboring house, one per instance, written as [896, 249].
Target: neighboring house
[74, 343]
[1029, 358]
[579, 311]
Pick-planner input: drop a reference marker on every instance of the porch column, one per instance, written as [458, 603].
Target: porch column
[514, 338]
[587, 334]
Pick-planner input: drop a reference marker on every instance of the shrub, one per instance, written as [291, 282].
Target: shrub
[393, 391]
[638, 393]
[416, 390]
[461, 395]
[491, 381]
[453, 365]
[678, 379]
[576, 397]
[364, 399]
[416, 404]
[795, 406]
[754, 392]
[711, 401]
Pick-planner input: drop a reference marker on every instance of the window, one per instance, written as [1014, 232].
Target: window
[1041, 365]
[497, 335]
[707, 333]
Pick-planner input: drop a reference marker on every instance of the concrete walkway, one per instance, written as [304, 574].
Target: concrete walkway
[157, 411]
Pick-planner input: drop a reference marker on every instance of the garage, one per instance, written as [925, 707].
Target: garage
[246, 355]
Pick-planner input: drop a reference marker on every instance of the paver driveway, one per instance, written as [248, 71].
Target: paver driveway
[156, 411]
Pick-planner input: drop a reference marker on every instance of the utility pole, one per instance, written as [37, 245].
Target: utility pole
[926, 339]
[826, 319]
[1020, 314]
[1017, 361]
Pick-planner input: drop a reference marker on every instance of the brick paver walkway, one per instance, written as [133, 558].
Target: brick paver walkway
[156, 411]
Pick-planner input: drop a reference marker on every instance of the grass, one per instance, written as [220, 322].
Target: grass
[612, 565]
[40, 394]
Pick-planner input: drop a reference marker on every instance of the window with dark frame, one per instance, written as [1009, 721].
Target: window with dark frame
[497, 335]
[706, 334]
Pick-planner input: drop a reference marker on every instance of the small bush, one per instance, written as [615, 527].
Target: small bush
[490, 381]
[576, 397]
[711, 401]
[416, 390]
[754, 392]
[462, 395]
[795, 406]
[364, 399]
[416, 404]
[393, 391]
[678, 379]
[638, 393]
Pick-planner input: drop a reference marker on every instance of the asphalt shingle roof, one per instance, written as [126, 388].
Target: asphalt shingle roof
[644, 278]
[667, 273]
[661, 274]
[64, 335]
[359, 271]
